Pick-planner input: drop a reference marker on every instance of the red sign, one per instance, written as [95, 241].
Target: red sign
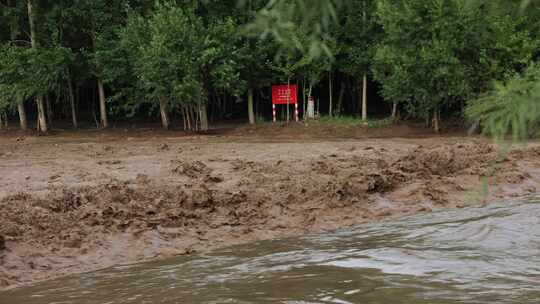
[284, 94]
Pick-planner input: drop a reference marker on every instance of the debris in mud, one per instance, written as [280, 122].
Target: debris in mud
[109, 162]
[2, 242]
[446, 160]
[54, 177]
[142, 179]
[379, 183]
[213, 179]
[192, 170]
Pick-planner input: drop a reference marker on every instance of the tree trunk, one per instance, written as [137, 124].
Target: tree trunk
[188, 118]
[102, 105]
[340, 99]
[251, 113]
[394, 110]
[203, 117]
[72, 103]
[42, 121]
[164, 113]
[330, 93]
[364, 98]
[436, 121]
[22, 116]
[20, 105]
[184, 118]
[191, 120]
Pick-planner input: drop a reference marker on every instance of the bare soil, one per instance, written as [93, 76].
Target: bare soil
[80, 201]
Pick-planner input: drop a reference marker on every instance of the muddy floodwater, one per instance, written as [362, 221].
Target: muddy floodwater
[472, 255]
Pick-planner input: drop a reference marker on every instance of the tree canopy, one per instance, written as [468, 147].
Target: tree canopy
[198, 61]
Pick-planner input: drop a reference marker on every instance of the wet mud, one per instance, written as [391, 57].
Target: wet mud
[69, 207]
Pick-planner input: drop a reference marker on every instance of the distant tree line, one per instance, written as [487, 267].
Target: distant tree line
[188, 62]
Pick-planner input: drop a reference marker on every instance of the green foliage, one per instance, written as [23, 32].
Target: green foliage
[27, 72]
[176, 55]
[279, 19]
[358, 35]
[512, 107]
[166, 62]
[429, 56]
[437, 53]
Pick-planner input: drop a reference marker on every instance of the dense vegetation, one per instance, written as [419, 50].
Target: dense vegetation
[194, 62]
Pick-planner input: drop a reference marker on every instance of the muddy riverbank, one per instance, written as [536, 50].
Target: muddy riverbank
[71, 205]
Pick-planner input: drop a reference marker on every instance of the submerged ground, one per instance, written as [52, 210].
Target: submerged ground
[79, 201]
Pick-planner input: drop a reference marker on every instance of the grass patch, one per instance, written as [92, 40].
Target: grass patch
[355, 121]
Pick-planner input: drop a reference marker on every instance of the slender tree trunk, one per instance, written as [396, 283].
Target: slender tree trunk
[184, 118]
[340, 99]
[330, 93]
[436, 120]
[251, 113]
[102, 105]
[191, 119]
[20, 105]
[364, 98]
[394, 110]
[22, 116]
[164, 113]
[72, 102]
[187, 112]
[196, 117]
[42, 121]
[203, 117]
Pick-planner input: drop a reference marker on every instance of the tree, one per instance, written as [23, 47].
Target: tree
[42, 121]
[99, 19]
[11, 14]
[358, 37]
[511, 107]
[179, 59]
[436, 54]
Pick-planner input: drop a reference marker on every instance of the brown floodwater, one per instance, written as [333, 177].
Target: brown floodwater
[476, 255]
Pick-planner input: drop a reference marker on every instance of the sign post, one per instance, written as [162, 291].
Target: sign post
[284, 95]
